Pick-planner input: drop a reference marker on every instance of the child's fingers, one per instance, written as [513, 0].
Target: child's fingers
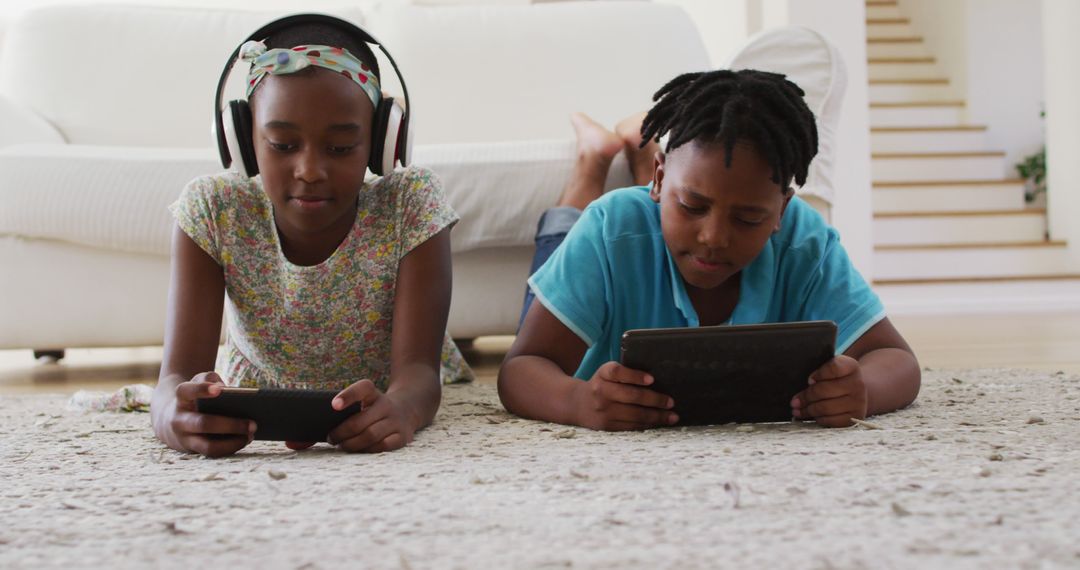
[615, 372]
[357, 423]
[639, 417]
[368, 437]
[838, 367]
[363, 391]
[830, 407]
[196, 423]
[214, 447]
[616, 425]
[390, 443]
[825, 390]
[636, 395]
[205, 385]
[208, 378]
[837, 421]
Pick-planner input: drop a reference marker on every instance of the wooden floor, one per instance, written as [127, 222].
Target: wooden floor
[1047, 341]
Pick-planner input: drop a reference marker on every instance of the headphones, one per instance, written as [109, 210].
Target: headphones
[391, 136]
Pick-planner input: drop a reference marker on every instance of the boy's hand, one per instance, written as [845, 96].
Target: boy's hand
[835, 396]
[381, 425]
[616, 398]
[209, 435]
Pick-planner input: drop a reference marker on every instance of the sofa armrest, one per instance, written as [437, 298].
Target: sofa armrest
[22, 125]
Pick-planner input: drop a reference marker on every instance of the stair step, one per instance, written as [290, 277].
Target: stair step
[961, 227]
[896, 49]
[897, 285]
[883, 11]
[948, 196]
[897, 39]
[962, 261]
[920, 59]
[927, 138]
[974, 246]
[912, 89]
[980, 295]
[932, 113]
[889, 28]
[902, 70]
[923, 167]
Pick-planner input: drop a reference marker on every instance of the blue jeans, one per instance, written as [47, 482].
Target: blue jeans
[550, 232]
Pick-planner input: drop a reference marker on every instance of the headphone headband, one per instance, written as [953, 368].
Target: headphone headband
[284, 23]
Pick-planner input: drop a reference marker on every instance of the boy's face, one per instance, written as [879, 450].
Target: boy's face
[715, 219]
[312, 137]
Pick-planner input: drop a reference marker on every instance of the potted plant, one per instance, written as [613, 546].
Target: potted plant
[1033, 170]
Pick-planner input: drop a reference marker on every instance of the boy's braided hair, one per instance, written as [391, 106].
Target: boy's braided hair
[724, 106]
[323, 34]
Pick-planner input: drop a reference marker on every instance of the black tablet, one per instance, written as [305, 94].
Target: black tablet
[280, 414]
[741, 373]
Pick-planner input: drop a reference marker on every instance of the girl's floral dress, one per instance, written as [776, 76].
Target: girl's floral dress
[324, 326]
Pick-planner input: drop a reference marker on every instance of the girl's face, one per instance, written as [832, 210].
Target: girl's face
[312, 136]
[715, 220]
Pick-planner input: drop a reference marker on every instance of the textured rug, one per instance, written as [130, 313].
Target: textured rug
[983, 471]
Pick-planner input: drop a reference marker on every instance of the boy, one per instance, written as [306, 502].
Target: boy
[716, 239]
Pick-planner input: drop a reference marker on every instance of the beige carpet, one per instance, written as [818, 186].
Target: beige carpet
[984, 471]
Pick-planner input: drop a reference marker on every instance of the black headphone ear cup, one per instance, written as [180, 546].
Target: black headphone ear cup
[378, 135]
[241, 115]
[405, 139]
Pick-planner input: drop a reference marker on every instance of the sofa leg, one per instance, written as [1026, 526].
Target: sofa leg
[49, 356]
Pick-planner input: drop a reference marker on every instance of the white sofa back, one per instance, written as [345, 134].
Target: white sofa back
[486, 73]
[144, 75]
[122, 75]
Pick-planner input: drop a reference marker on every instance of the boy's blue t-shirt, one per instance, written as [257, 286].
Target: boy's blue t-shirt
[614, 273]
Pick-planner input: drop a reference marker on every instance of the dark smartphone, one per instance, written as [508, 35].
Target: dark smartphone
[740, 373]
[280, 414]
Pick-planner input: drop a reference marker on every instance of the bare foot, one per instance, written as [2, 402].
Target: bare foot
[640, 159]
[596, 148]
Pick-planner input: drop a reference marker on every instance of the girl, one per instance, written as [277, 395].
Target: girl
[329, 281]
[716, 238]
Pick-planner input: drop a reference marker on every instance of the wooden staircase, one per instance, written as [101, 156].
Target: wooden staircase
[947, 207]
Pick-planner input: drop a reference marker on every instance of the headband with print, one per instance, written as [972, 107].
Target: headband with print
[284, 61]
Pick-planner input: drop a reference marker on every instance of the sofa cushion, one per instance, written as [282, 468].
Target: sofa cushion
[511, 73]
[21, 125]
[116, 197]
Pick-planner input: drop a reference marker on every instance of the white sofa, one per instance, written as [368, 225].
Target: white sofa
[90, 155]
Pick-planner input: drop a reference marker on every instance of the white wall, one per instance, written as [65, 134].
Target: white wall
[943, 25]
[722, 23]
[1005, 74]
[842, 22]
[992, 54]
[1061, 43]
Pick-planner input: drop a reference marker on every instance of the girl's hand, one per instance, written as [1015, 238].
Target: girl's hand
[381, 425]
[616, 399]
[836, 394]
[209, 435]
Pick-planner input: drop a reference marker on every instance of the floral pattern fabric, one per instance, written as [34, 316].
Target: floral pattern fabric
[313, 327]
